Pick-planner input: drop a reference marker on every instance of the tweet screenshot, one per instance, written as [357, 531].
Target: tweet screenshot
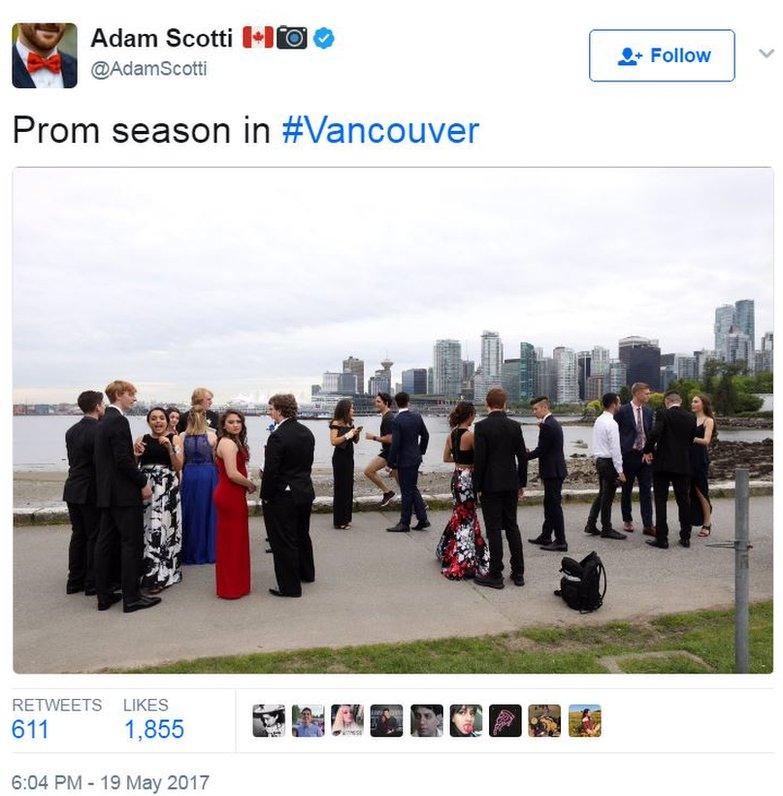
[389, 397]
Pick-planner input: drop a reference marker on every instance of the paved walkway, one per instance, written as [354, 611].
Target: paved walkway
[371, 587]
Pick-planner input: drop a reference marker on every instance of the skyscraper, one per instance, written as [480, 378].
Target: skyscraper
[599, 361]
[447, 368]
[331, 382]
[511, 378]
[725, 318]
[546, 377]
[567, 375]
[739, 349]
[491, 364]
[414, 381]
[618, 376]
[347, 384]
[764, 357]
[527, 372]
[355, 366]
[584, 361]
[745, 314]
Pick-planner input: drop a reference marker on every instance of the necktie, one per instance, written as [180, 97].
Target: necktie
[36, 62]
[639, 442]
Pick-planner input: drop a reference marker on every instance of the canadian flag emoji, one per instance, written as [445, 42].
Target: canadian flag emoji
[257, 37]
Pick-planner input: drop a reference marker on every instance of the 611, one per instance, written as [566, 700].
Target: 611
[31, 729]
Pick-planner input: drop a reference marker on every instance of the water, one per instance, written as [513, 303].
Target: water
[39, 442]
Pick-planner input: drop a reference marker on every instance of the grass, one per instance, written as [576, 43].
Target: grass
[573, 650]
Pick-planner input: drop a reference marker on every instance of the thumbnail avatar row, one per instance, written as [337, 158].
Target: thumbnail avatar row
[426, 721]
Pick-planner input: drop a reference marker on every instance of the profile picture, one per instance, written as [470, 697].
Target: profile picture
[386, 721]
[268, 721]
[307, 721]
[465, 721]
[543, 721]
[43, 55]
[584, 721]
[426, 721]
[347, 719]
[505, 721]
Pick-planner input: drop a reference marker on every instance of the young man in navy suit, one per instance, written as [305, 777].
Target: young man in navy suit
[635, 420]
[36, 61]
[552, 472]
[409, 444]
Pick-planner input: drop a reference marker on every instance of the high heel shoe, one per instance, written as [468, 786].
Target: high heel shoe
[705, 531]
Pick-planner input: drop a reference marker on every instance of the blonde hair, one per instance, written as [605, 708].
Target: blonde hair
[199, 394]
[117, 388]
[197, 420]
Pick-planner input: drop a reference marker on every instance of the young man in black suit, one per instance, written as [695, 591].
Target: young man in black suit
[500, 478]
[668, 446]
[201, 396]
[121, 489]
[409, 444]
[635, 420]
[79, 494]
[552, 471]
[287, 494]
[35, 60]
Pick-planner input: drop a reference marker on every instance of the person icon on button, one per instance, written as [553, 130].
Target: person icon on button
[627, 59]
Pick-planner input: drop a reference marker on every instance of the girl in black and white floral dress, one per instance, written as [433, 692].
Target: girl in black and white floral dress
[160, 458]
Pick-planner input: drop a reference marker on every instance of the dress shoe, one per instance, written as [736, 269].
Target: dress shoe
[104, 605]
[628, 527]
[399, 528]
[73, 589]
[612, 534]
[422, 526]
[518, 580]
[140, 604]
[589, 529]
[649, 531]
[659, 545]
[491, 583]
[685, 542]
[278, 593]
[540, 540]
[555, 547]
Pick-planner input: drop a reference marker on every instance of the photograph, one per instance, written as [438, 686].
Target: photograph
[386, 721]
[543, 721]
[44, 55]
[505, 721]
[465, 721]
[307, 721]
[347, 719]
[499, 410]
[268, 721]
[426, 721]
[584, 721]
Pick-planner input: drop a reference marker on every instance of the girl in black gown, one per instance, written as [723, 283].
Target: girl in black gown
[706, 433]
[343, 437]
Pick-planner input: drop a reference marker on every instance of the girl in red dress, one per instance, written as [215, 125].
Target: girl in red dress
[232, 555]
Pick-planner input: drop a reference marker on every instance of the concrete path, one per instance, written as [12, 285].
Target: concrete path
[371, 587]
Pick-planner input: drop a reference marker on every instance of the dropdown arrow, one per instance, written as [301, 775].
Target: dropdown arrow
[766, 53]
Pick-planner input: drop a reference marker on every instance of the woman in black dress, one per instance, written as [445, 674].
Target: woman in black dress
[343, 437]
[706, 434]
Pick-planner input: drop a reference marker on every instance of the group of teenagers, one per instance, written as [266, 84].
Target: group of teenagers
[177, 495]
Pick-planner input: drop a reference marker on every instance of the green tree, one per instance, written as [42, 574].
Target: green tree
[625, 394]
[656, 401]
[687, 388]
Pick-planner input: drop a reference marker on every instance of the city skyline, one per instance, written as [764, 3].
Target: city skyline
[252, 293]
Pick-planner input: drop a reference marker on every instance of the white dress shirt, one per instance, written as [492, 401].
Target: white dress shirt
[43, 78]
[606, 440]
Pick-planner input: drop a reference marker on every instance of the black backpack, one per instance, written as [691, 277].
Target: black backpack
[580, 585]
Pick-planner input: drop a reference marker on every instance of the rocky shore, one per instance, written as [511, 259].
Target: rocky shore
[33, 489]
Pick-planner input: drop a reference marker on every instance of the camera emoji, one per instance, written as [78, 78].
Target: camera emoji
[291, 38]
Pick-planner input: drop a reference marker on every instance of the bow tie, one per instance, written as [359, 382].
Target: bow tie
[36, 62]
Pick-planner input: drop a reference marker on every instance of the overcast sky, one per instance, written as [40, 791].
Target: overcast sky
[250, 281]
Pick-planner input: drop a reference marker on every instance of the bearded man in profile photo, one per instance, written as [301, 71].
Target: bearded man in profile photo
[36, 61]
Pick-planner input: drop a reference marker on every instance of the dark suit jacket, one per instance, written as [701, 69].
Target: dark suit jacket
[80, 444]
[21, 77]
[549, 452]
[500, 455]
[289, 462]
[670, 441]
[627, 421]
[212, 420]
[409, 440]
[117, 478]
